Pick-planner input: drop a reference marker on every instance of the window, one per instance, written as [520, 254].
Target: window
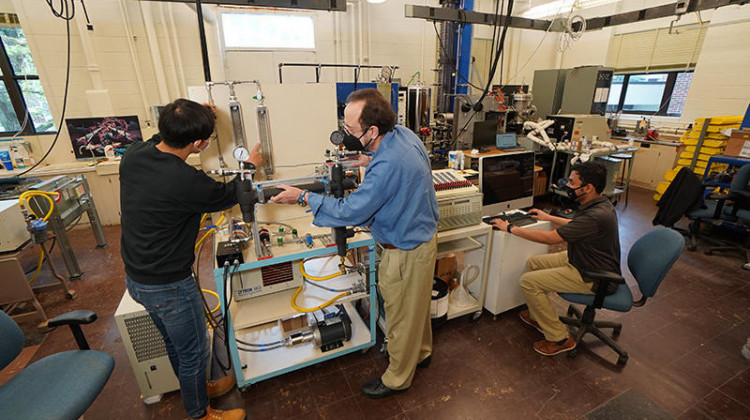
[662, 93]
[268, 31]
[21, 95]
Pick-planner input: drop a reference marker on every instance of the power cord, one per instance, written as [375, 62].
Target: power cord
[67, 12]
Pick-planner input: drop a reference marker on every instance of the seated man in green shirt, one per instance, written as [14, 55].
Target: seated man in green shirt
[593, 244]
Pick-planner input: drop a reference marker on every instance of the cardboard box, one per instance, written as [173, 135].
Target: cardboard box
[739, 144]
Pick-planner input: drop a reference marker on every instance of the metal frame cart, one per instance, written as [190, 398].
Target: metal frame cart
[256, 319]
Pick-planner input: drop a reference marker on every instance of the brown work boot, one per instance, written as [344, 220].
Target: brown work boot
[551, 348]
[526, 317]
[214, 414]
[220, 386]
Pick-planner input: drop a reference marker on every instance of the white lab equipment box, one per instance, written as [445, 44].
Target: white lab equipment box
[146, 350]
[13, 231]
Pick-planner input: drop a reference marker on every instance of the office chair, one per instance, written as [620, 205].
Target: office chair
[649, 260]
[717, 212]
[60, 386]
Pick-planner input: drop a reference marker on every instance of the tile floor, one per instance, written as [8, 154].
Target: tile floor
[684, 349]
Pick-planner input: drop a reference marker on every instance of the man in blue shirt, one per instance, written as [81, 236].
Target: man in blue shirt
[397, 200]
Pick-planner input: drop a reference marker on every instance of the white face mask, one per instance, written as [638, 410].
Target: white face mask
[208, 143]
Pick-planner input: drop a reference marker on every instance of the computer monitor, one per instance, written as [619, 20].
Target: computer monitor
[506, 182]
[485, 133]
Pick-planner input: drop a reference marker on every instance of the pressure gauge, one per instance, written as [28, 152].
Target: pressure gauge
[241, 153]
[337, 137]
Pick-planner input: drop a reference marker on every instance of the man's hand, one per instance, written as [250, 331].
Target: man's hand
[539, 215]
[255, 158]
[211, 107]
[364, 160]
[500, 224]
[288, 196]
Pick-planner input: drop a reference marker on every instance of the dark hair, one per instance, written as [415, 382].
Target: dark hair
[594, 173]
[377, 111]
[184, 121]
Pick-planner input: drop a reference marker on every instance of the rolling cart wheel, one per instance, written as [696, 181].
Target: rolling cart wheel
[573, 353]
[622, 360]
[709, 252]
[616, 332]
[691, 248]
[71, 294]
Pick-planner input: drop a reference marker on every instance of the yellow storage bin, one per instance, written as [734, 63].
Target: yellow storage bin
[711, 133]
[689, 155]
[724, 120]
[706, 150]
[662, 187]
[670, 174]
[698, 164]
[706, 142]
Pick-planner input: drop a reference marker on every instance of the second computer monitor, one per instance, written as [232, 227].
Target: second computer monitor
[506, 182]
[485, 134]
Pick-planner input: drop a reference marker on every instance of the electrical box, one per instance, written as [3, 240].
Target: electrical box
[146, 350]
[574, 127]
[268, 279]
[13, 231]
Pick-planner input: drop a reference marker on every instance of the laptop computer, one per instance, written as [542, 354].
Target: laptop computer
[507, 142]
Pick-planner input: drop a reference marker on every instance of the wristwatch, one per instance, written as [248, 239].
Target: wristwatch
[301, 198]
[510, 226]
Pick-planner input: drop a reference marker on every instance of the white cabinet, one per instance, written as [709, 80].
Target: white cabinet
[507, 264]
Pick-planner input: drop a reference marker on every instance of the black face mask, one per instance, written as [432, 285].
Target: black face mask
[570, 191]
[352, 143]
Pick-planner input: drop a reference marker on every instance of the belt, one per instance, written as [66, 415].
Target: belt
[388, 246]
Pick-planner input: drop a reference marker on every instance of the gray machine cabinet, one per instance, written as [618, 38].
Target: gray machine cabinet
[548, 91]
[580, 90]
[587, 90]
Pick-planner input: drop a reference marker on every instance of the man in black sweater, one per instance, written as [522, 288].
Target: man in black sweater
[162, 199]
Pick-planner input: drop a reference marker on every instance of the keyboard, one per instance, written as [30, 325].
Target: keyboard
[516, 218]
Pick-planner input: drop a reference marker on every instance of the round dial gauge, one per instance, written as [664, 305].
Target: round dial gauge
[337, 137]
[241, 153]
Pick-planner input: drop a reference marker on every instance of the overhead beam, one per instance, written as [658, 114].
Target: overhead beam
[329, 5]
[466, 16]
[658, 12]
[479, 18]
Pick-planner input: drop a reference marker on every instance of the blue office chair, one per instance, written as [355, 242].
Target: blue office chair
[731, 211]
[649, 260]
[60, 386]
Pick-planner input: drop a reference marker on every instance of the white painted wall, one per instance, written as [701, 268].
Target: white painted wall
[142, 53]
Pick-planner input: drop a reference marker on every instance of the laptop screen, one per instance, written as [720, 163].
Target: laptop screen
[504, 141]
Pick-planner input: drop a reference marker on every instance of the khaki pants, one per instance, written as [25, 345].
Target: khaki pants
[546, 274]
[405, 283]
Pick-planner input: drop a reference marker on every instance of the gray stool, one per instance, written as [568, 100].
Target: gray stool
[624, 183]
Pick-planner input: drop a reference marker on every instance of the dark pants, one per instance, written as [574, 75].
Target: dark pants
[177, 310]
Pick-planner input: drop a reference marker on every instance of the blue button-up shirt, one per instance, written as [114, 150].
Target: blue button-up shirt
[396, 198]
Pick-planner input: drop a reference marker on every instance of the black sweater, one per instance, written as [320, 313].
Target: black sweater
[162, 199]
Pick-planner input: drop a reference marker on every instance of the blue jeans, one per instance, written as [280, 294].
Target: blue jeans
[177, 310]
